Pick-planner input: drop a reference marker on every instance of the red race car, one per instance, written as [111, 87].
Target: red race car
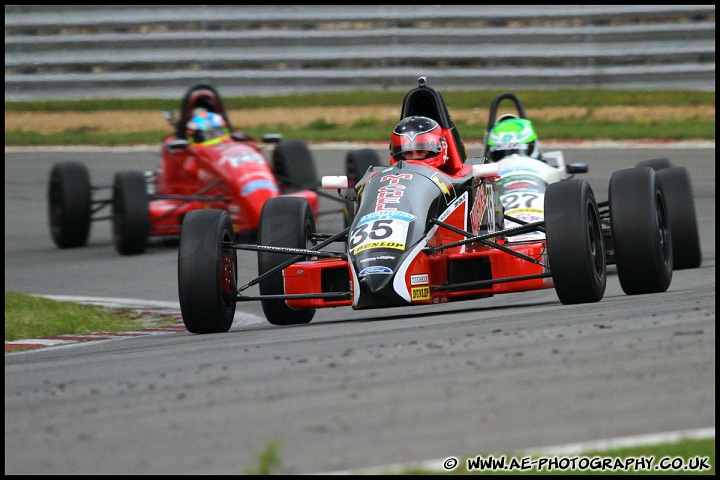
[430, 227]
[205, 163]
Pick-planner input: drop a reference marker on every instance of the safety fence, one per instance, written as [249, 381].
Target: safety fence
[131, 51]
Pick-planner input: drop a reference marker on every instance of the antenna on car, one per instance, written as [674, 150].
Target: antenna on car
[422, 82]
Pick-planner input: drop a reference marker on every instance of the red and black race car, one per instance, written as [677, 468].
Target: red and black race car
[423, 233]
[225, 171]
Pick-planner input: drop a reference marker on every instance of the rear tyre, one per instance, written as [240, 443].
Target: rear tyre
[574, 241]
[640, 231]
[680, 206]
[207, 271]
[284, 222]
[357, 163]
[69, 200]
[131, 215]
[294, 167]
[656, 163]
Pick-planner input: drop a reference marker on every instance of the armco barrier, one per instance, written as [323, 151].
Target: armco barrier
[122, 51]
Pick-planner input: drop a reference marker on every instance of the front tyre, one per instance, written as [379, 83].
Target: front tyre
[575, 243]
[69, 200]
[284, 222]
[207, 271]
[640, 230]
[131, 213]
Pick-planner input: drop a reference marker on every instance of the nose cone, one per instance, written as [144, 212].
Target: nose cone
[376, 291]
[376, 282]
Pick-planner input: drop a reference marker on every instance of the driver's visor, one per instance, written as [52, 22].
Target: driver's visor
[431, 148]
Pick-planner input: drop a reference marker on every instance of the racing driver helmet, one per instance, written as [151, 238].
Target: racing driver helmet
[206, 127]
[512, 135]
[419, 138]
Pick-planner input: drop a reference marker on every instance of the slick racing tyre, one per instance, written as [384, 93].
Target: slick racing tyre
[130, 213]
[656, 163]
[680, 206]
[207, 271]
[640, 230]
[681, 212]
[294, 167]
[357, 163]
[575, 243]
[69, 202]
[284, 222]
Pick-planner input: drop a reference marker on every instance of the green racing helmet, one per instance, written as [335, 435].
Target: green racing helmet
[512, 135]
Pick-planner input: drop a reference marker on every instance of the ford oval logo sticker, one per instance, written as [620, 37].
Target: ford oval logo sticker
[374, 270]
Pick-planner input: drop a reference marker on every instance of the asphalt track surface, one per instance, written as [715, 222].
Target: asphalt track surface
[351, 389]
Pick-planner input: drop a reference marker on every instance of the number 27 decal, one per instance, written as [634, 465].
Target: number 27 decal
[519, 200]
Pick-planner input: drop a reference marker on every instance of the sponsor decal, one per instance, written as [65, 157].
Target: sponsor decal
[375, 270]
[259, 185]
[381, 257]
[523, 169]
[389, 195]
[441, 182]
[369, 245]
[237, 159]
[386, 215]
[478, 210]
[527, 215]
[529, 211]
[422, 279]
[420, 293]
[529, 183]
[454, 206]
[386, 229]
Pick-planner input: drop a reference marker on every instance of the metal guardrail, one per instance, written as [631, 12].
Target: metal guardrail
[125, 51]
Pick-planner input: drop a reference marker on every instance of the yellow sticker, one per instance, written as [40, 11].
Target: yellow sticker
[422, 293]
[366, 246]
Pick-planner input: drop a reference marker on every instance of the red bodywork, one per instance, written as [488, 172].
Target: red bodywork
[437, 267]
[231, 175]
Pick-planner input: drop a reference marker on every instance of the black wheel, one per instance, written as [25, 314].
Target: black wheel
[357, 163]
[293, 165]
[207, 271]
[680, 207]
[656, 163]
[640, 231]
[69, 200]
[284, 222]
[575, 243]
[131, 214]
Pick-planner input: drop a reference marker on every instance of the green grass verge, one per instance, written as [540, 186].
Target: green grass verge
[373, 130]
[28, 316]
[369, 130]
[455, 99]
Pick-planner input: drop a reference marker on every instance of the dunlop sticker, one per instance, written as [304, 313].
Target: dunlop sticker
[420, 293]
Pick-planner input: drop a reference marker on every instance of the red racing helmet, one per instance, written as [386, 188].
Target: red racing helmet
[420, 139]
